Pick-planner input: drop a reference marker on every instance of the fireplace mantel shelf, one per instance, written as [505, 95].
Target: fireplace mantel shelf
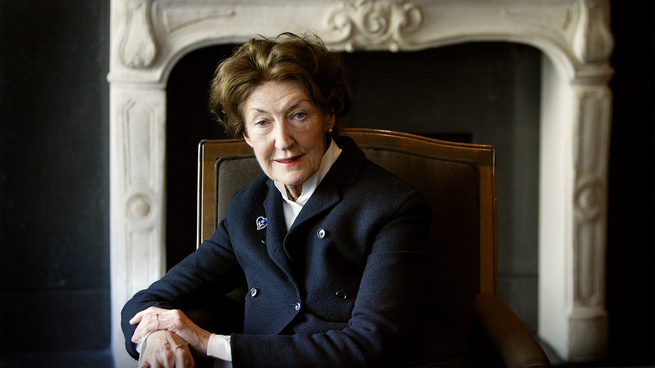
[148, 37]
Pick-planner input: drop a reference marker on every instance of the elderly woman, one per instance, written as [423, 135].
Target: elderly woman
[329, 244]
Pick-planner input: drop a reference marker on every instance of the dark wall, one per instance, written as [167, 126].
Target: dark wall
[188, 121]
[54, 175]
[631, 218]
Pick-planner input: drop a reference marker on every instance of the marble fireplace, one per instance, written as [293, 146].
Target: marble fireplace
[148, 37]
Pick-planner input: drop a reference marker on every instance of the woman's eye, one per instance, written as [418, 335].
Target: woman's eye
[260, 123]
[299, 115]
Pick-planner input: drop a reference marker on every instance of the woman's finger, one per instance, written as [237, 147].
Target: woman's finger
[148, 320]
[183, 356]
[164, 349]
[167, 355]
[150, 311]
[137, 317]
[148, 323]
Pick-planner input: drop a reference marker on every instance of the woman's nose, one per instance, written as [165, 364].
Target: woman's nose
[283, 136]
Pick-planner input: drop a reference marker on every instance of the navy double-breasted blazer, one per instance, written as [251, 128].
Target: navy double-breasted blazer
[343, 287]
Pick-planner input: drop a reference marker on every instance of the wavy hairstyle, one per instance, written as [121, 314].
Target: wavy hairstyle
[287, 57]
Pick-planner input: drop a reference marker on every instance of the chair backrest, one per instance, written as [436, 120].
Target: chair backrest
[457, 179]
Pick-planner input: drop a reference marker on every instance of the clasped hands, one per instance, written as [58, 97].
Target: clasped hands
[173, 337]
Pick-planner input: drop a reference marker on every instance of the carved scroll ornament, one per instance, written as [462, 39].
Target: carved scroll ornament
[370, 22]
[592, 41]
[138, 48]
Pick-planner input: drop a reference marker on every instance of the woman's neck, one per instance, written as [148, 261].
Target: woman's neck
[293, 192]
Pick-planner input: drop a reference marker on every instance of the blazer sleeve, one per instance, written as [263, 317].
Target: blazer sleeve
[384, 323]
[212, 270]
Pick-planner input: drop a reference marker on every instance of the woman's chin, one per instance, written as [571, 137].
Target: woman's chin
[291, 177]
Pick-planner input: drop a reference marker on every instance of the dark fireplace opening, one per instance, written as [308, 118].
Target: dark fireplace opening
[188, 120]
[476, 92]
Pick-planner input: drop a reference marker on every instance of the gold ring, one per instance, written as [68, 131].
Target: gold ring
[157, 317]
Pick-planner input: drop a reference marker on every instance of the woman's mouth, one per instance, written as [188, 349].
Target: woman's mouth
[288, 161]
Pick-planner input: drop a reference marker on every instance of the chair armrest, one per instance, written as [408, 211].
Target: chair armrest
[499, 338]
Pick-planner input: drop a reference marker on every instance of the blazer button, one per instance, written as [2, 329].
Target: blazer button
[341, 295]
[297, 306]
[320, 233]
[254, 292]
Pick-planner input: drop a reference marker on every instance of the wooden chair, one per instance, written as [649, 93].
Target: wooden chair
[459, 182]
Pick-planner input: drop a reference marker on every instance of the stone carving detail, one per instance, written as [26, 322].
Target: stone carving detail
[590, 202]
[141, 209]
[592, 41]
[371, 22]
[142, 266]
[138, 48]
[554, 22]
[594, 116]
[175, 18]
[138, 125]
[590, 196]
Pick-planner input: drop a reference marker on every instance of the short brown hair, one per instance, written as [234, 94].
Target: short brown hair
[287, 57]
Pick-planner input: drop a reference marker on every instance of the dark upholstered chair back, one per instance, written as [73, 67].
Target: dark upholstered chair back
[457, 179]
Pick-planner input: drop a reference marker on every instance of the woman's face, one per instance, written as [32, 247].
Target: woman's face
[286, 131]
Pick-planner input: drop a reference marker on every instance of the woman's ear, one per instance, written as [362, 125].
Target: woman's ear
[247, 139]
[331, 121]
[245, 136]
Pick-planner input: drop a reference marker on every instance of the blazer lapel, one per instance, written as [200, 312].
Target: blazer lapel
[276, 229]
[324, 198]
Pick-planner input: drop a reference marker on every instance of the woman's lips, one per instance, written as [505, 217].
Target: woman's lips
[288, 160]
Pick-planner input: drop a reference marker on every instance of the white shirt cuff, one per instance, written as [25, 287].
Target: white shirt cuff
[141, 345]
[219, 347]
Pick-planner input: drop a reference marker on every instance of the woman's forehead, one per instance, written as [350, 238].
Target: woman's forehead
[274, 96]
